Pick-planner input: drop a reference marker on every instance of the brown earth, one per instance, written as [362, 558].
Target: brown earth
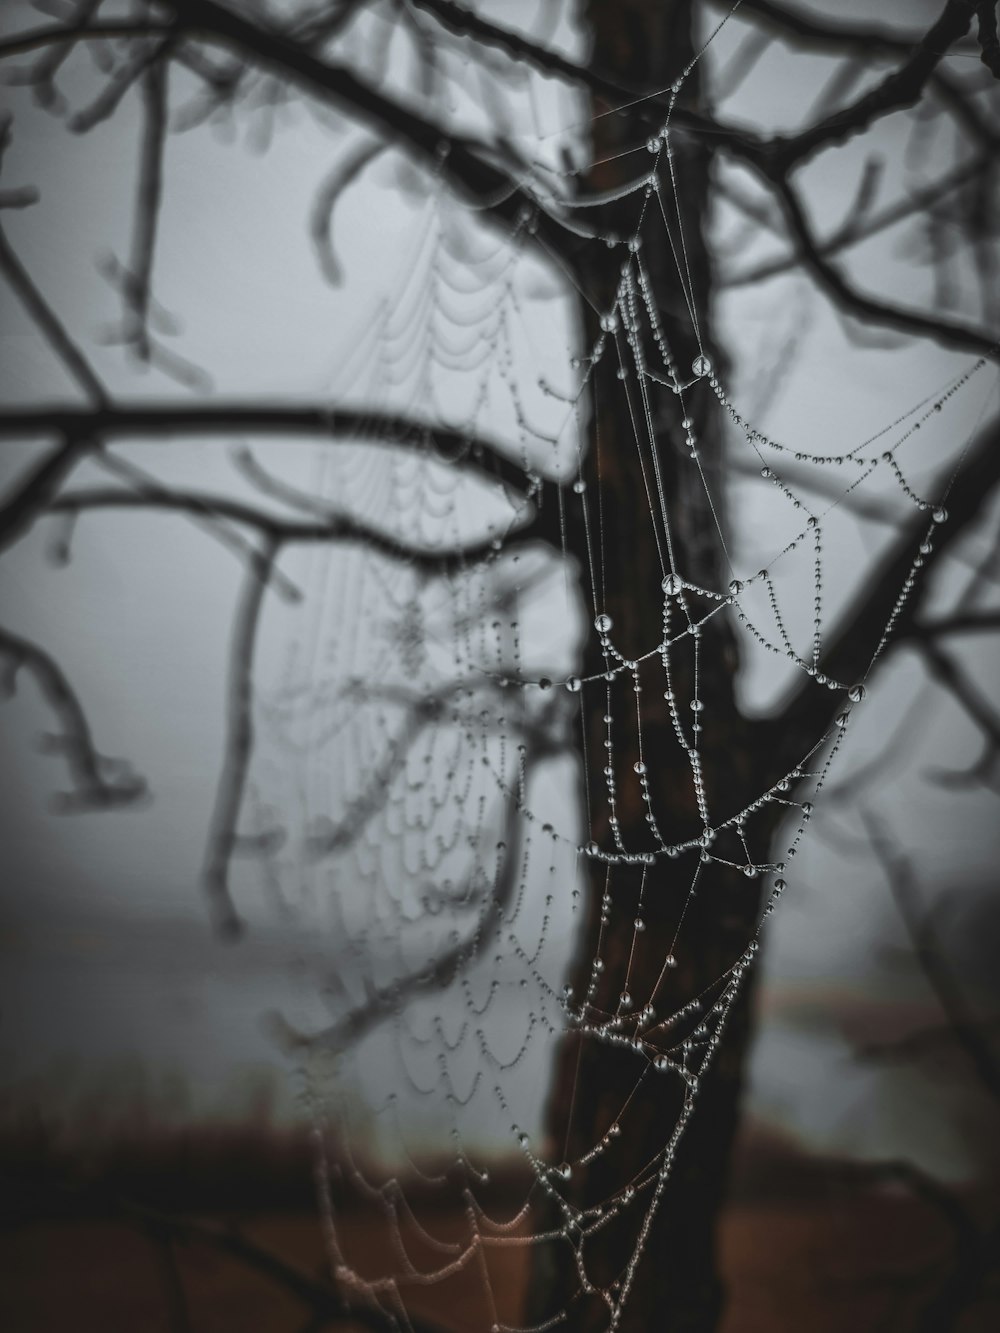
[807, 1246]
[868, 1266]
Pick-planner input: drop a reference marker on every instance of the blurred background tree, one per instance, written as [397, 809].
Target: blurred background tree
[849, 169]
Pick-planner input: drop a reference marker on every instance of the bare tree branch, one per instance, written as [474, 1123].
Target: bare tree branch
[327, 1306]
[808, 712]
[321, 216]
[968, 623]
[48, 323]
[64, 36]
[99, 783]
[856, 227]
[222, 833]
[147, 206]
[968, 1032]
[506, 199]
[500, 197]
[146, 56]
[463, 22]
[857, 304]
[480, 457]
[813, 31]
[34, 493]
[55, 51]
[949, 674]
[897, 91]
[336, 529]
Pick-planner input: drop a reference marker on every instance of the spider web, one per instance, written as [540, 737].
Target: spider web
[423, 739]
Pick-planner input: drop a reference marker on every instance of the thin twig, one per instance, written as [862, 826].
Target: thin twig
[147, 204]
[238, 746]
[103, 107]
[99, 783]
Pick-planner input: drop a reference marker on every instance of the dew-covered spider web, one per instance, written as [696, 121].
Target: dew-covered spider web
[431, 739]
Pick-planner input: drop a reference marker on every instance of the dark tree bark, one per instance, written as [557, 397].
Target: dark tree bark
[646, 44]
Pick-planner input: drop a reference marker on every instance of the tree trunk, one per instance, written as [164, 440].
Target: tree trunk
[646, 44]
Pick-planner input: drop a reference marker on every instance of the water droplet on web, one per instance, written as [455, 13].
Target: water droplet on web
[940, 515]
[670, 960]
[672, 585]
[856, 693]
[573, 684]
[701, 366]
[639, 766]
[603, 623]
[609, 323]
[736, 587]
[545, 683]
[842, 719]
[639, 924]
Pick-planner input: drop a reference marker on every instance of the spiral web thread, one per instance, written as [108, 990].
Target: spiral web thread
[422, 735]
